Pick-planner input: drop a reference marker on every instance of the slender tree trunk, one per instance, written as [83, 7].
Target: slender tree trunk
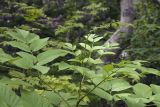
[122, 35]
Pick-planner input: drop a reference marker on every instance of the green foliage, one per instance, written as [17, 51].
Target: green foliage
[30, 43]
[30, 13]
[145, 41]
[46, 72]
[112, 82]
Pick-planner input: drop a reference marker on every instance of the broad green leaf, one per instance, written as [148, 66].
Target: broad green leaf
[132, 102]
[42, 69]
[38, 44]
[50, 55]
[130, 72]
[84, 71]
[156, 99]
[63, 66]
[78, 52]
[155, 88]
[32, 99]
[22, 33]
[23, 36]
[102, 94]
[24, 63]
[108, 67]
[3, 103]
[98, 48]
[108, 53]
[93, 61]
[97, 39]
[141, 99]
[142, 90]
[31, 37]
[102, 52]
[86, 46]
[27, 56]
[4, 57]
[13, 82]
[121, 96]
[20, 45]
[119, 85]
[70, 46]
[52, 97]
[149, 71]
[10, 98]
[16, 36]
[90, 37]
[106, 85]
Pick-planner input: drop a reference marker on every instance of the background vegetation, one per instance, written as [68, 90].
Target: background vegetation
[52, 51]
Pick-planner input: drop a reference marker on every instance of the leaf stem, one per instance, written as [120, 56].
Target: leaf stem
[78, 102]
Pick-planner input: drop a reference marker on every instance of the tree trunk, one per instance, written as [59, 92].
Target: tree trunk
[122, 35]
[45, 1]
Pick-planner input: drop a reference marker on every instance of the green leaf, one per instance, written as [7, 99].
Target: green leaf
[142, 90]
[102, 94]
[130, 72]
[84, 71]
[27, 56]
[32, 99]
[97, 39]
[70, 46]
[121, 96]
[4, 57]
[38, 44]
[86, 46]
[20, 45]
[63, 66]
[13, 82]
[24, 63]
[155, 88]
[102, 52]
[94, 61]
[16, 36]
[119, 85]
[98, 48]
[23, 36]
[9, 97]
[52, 97]
[108, 53]
[155, 97]
[50, 55]
[42, 69]
[113, 85]
[108, 67]
[149, 71]
[106, 85]
[90, 37]
[132, 102]
[3, 103]
[78, 52]
[31, 37]
[22, 33]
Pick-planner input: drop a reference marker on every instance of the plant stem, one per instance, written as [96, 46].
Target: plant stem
[80, 86]
[78, 102]
[89, 92]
